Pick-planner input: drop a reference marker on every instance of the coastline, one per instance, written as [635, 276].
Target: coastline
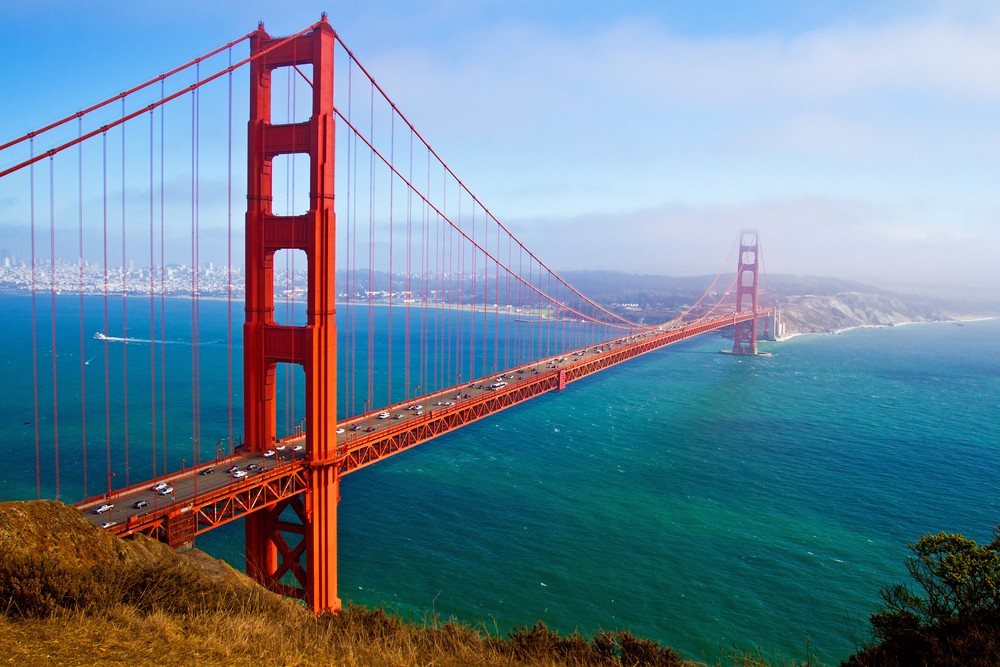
[837, 332]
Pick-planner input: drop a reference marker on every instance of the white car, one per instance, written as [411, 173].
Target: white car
[269, 454]
[106, 507]
[339, 431]
[298, 448]
[166, 490]
[159, 487]
[383, 415]
[108, 524]
[238, 474]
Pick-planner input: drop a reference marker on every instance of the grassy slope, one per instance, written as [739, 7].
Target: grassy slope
[74, 595]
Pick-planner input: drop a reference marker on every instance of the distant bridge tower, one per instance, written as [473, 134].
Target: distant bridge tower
[745, 339]
[308, 520]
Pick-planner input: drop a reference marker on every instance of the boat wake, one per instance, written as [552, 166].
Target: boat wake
[119, 339]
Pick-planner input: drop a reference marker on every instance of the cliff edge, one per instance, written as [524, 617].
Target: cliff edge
[830, 313]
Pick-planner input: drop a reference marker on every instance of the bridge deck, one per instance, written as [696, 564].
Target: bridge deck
[206, 495]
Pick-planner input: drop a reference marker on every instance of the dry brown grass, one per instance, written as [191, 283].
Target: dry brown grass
[125, 635]
[71, 594]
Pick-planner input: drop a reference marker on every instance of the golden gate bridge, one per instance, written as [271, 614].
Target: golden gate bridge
[420, 311]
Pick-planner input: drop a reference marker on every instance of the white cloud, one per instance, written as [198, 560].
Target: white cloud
[830, 141]
[811, 235]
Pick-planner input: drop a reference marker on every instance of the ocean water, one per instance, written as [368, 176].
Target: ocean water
[695, 498]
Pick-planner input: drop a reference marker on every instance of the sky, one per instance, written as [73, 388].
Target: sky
[859, 138]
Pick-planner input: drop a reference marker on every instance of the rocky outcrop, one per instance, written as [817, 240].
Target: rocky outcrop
[825, 314]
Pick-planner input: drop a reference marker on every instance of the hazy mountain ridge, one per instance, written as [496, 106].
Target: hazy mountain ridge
[808, 304]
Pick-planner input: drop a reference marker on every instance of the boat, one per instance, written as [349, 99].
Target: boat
[100, 336]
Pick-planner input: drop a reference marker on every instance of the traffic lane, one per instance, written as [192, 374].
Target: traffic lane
[187, 487]
[357, 428]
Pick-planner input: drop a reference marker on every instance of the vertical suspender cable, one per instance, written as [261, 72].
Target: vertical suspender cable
[439, 351]
[496, 306]
[124, 272]
[34, 328]
[83, 356]
[347, 382]
[371, 254]
[409, 271]
[392, 180]
[52, 290]
[452, 256]
[194, 277]
[551, 313]
[443, 360]
[472, 308]
[107, 360]
[152, 290]
[486, 284]
[196, 270]
[465, 317]
[508, 310]
[424, 378]
[353, 380]
[163, 287]
[446, 313]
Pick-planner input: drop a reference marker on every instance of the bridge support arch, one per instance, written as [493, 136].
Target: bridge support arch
[747, 287]
[280, 536]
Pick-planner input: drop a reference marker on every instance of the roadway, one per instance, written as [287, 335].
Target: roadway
[352, 434]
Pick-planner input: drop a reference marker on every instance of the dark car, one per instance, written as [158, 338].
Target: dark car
[139, 504]
[206, 471]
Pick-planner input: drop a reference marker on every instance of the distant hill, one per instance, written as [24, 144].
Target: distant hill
[807, 303]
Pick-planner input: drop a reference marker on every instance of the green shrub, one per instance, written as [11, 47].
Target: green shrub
[951, 617]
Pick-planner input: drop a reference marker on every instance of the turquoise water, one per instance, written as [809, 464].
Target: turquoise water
[695, 498]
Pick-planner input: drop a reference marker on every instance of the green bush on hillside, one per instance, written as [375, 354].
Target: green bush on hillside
[952, 614]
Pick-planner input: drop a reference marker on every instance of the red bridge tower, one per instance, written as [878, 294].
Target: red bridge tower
[745, 338]
[310, 518]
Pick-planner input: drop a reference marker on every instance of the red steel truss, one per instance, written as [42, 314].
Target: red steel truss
[393, 440]
[179, 523]
[287, 487]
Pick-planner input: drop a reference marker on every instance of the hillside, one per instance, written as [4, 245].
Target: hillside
[73, 594]
[827, 314]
